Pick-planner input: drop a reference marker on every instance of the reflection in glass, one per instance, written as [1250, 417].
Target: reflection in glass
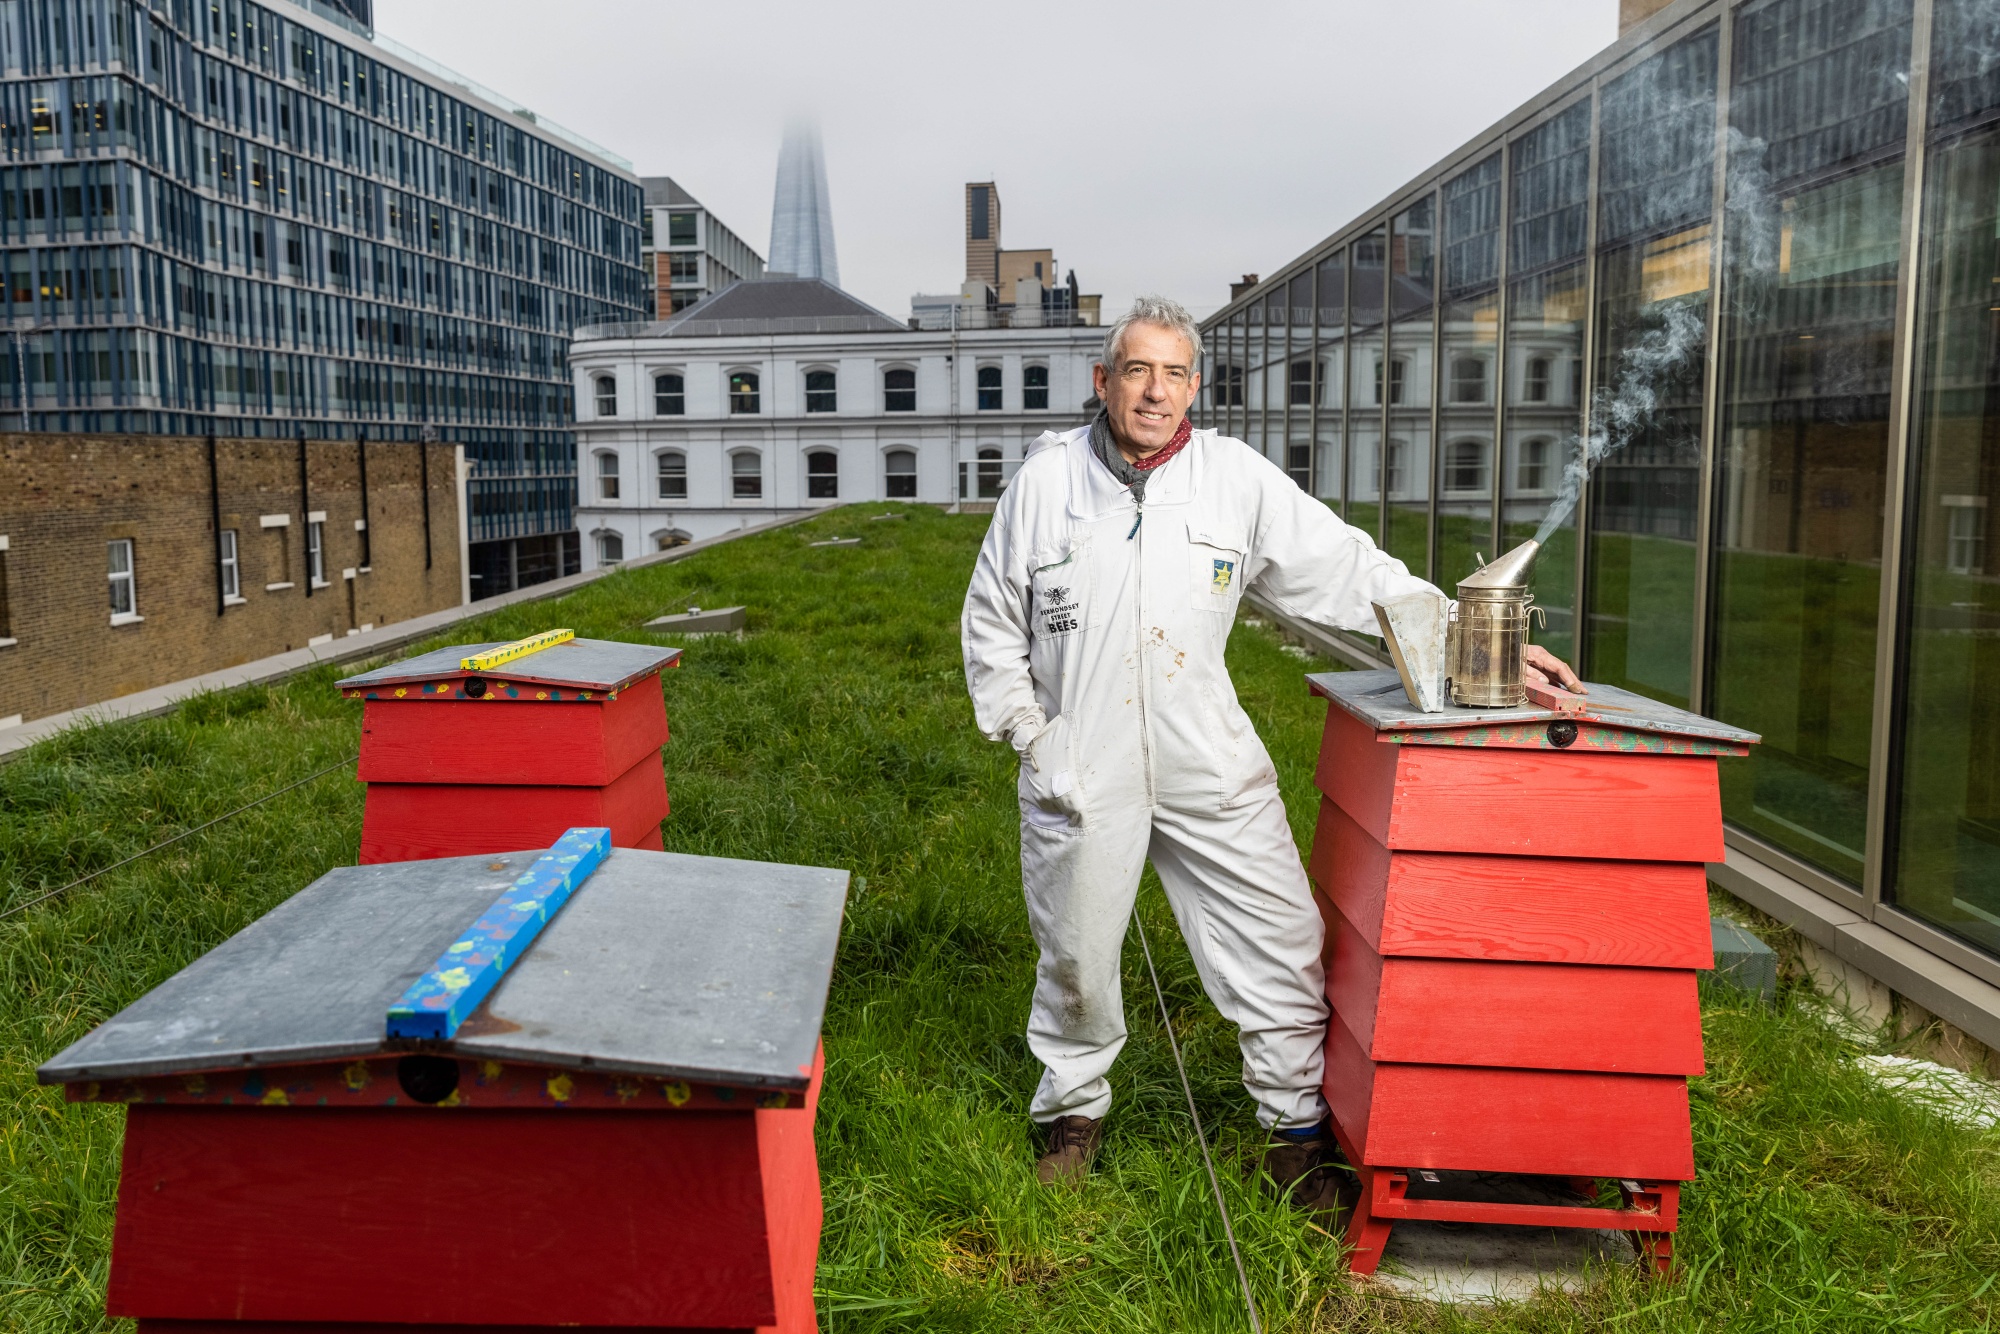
[1947, 867]
[1365, 383]
[1815, 209]
[1277, 365]
[1238, 377]
[1655, 172]
[1331, 386]
[1253, 376]
[1469, 340]
[1549, 207]
[1299, 381]
[1406, 461]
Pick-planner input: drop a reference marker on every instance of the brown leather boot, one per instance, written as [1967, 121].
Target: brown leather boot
[1073, 1142]
[1313, 1172]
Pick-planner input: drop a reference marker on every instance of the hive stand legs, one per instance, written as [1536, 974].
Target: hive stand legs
[1650, 1214]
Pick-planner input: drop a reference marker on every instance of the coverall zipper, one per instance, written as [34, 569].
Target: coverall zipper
[1139, 638]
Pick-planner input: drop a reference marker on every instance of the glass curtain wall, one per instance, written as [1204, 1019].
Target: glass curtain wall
[1819, 111]
[1946, 862]
[1406, 461]
[1365, 382]
[1547, 297]
[1277, 367]
[1331, 389]
[1253, 377]
[1232, 418]
[1468, 340]
[1299, 380]
[1656, 170]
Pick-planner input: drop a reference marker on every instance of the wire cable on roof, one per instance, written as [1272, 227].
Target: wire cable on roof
[1200, 1136]
[169, 842]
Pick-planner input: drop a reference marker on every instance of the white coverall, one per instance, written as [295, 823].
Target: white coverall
[1097, 650]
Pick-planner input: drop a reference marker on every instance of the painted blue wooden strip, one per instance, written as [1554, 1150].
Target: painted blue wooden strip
[471, 966]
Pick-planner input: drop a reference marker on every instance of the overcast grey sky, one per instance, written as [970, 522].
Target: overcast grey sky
[1167, 147]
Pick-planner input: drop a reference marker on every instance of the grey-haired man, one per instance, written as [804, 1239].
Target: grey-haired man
[1094, 631]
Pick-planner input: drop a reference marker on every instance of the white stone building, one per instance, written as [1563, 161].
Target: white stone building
[782, 395]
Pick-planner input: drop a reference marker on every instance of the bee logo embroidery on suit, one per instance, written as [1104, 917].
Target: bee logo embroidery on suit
[1225, 570]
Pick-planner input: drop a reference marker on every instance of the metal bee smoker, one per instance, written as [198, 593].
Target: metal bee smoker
[1488, 631]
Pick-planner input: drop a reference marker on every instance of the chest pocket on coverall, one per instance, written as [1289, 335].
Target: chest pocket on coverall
[1215, 569]
[1060, 601]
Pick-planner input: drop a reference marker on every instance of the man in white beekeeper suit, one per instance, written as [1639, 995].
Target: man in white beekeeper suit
[1094, 632]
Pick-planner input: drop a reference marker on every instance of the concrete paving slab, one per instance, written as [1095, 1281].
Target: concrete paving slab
[1459, 1263]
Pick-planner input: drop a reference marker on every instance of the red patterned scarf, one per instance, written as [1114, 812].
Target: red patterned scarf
[1167, 451]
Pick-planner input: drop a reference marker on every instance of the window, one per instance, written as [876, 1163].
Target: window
[684, 268]
[610, 548]
[989, 390]
[607, 476]
[316, 553]
[680, 229]
[669, 396]
[1395, 381]
[1302, 383]
[1468, 379]
[899, 390]
[900, 467]
[820, 393]
[1465, 466]
[822, 475]
[232, 575]
[1965, 535]
[6, 612]
[743, 392]
[607, 396]
[1035, 387]
[124, 590]
[981, 226]
[1533, 467]
[1537, 388]
[673, 475]
[746, 475]
[989, 472]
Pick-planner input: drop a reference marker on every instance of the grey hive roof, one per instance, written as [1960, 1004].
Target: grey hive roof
[778, 304]
[702, 968]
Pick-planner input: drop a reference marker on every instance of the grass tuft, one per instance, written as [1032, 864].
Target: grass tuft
[837, 732]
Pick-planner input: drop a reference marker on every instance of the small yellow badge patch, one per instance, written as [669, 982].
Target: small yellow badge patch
[1225, 570]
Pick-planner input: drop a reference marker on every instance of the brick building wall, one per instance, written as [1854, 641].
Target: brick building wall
[64, 499]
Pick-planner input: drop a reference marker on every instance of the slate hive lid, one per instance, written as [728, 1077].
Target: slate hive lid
[696, 968]
[591, 667]
[1610, 718]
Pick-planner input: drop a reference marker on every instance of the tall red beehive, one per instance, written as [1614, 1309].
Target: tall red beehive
[513, 749]
[1516, 905]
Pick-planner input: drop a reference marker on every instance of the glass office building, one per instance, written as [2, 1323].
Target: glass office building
[218, 216]
[1747, 260]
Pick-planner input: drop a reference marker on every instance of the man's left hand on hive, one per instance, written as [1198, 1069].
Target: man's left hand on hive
[1538, 664]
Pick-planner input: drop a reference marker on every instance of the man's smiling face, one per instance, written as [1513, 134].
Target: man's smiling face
[1148, 392]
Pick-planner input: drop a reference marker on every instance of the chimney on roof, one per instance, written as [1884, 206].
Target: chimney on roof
[1238, 289]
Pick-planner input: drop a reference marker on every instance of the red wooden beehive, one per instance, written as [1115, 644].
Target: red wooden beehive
[459, 760]
[1516, 905]
[619, 1138]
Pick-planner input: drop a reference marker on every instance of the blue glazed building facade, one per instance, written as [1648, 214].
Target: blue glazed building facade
[260, 220]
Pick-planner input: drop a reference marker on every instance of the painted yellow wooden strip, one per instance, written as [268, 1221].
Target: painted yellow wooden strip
[520, 648]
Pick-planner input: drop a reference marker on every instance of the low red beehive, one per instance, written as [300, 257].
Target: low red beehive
[1516, 905]
[461, 758]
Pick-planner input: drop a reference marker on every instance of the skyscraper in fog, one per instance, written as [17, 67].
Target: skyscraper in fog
[801, 214]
